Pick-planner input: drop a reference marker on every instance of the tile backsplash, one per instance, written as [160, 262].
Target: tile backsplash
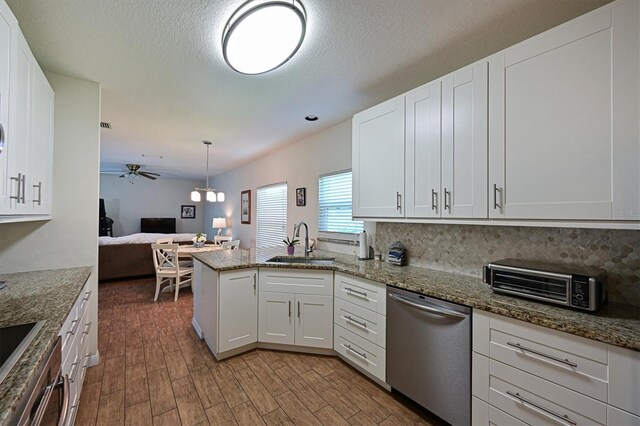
[465, 249]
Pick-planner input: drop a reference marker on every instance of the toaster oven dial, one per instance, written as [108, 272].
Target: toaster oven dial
[580, 292]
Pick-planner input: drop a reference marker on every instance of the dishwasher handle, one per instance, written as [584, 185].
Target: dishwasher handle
[442, 312]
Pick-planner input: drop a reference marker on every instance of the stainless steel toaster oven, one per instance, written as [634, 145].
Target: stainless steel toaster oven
[576, 287]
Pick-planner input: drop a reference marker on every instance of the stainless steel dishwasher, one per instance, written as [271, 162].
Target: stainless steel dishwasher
[429, 353]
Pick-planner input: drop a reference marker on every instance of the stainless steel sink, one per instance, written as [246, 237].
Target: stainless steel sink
[303, 260]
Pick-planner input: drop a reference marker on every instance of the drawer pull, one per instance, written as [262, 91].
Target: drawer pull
[533, 351]
[87, 359]
[356, 292]
[74, 371]
[363, 356]
[289, 308]
[562, 417]
[74, 327]
[356, 322]
[87, 328]
[87, 295]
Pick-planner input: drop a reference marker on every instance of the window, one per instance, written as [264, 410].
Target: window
[271, 215]
[334, 204]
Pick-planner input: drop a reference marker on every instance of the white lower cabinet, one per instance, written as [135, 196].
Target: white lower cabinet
[360, 324]
[227, 313]
[298, 316]
[75, 349]
[238, 317]
[537, 375]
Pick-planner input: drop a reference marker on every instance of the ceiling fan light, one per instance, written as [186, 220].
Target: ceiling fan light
[195, 196]
[211, 196]
[220, 196]
[263, 34]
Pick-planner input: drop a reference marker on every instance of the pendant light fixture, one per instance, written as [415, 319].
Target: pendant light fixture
[262, 35]
[210, 196]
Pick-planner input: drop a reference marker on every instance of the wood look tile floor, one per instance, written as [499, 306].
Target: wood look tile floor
[154, 370]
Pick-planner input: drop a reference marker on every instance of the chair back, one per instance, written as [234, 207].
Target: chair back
[165, 257]
[168, 240]
[231, 245]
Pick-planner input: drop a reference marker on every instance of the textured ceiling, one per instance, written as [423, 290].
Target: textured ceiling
[165, 86]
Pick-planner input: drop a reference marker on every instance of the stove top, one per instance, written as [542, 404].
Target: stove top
[14, 340]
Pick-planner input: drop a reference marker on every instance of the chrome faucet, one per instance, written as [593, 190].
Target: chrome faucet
[296, 230]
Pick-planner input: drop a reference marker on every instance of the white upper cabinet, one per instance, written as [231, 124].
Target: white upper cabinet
[7, 27]
[41, 147]
[26, 120]
[378, 160]
[464, 143]
[422, 160]
[563, 111]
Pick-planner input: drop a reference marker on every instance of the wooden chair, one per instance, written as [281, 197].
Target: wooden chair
[231, 245]
[168, 268]
[168, 240]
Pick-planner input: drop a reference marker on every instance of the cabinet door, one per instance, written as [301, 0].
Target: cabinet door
[238, 323]
[314, 321]
[41, 147]
[464, 143]
[20, 122]
[378, 160]
[564, 121]
[7, 24]
[276, 318]
[422, 161]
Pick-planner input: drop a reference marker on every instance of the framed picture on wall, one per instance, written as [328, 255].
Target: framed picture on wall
[301, 197]
[187, 212]
[245, 206]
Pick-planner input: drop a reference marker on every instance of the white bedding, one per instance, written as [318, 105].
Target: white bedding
[142, 238]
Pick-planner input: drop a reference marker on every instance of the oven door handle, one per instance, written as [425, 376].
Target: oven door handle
[64, 411]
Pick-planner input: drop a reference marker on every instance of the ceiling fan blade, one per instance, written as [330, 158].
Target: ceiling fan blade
[144, 174]
[150, 173]
[124, 175]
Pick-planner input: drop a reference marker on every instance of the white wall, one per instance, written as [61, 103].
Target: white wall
[300, 165]
[126, 203]
[70, 239]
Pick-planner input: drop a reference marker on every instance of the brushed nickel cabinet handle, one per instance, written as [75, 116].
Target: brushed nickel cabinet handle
[356, 322]
[551, 357]
[289, 308]
[298, 309]
[496, 205]
[254, 282]
[24, 187]
[74, 327]
[39, 187]
[562, 417]
[356, 292]
[18, 180]
[434, 198]
[398, 201]
[2, 140]
[447, 195]
[349, 348]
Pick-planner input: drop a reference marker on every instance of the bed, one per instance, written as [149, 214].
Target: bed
[130, 256]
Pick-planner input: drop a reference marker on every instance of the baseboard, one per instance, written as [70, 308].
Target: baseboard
[197, 328]
[301, 349]
[95, 359]
[365, 372]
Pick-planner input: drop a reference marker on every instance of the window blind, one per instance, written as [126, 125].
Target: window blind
[334, 205]
[271, 215]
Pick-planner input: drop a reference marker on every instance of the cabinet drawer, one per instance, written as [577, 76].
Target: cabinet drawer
[576, 363]
[361, 352]
[363, 322]
[500, 418]
[365, 293]
[537, 403]
[83, 301]
[297, 281]
[617, 417]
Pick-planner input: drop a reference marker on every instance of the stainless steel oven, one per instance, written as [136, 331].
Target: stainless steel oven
[47, 401]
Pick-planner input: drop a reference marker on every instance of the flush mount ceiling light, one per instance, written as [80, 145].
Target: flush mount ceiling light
[211, 196]
[263, 34]
[311, 118]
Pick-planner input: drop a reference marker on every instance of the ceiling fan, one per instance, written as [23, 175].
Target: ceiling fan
[134, 170]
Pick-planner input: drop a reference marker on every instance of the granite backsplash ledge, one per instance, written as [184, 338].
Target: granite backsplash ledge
[466, 248]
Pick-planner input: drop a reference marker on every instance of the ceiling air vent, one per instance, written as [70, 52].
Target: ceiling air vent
[105, 125]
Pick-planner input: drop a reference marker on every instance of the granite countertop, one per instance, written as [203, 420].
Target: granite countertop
[615, 324]
[29, 297]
